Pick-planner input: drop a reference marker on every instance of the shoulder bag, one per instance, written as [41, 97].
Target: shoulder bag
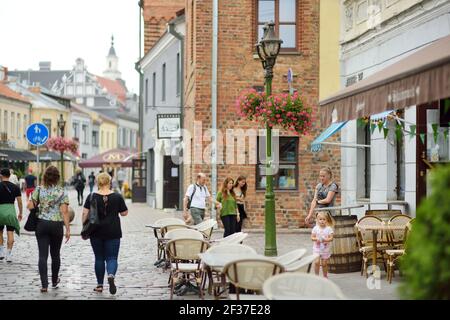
[32, 220]
[93, 220]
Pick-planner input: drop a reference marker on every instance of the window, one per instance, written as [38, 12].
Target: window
[287, 176]
[151, 171]
[13, 119]
[178, 75]
[107, 139]
[48, 124]
[5, 121]
[18, 128]
[102, 139]
[146, 95]
[95, 138]
[76, 130]
[163, 85]
[84, 156]
[284, 14]
[363, 136]
[79, 90]
[90, 102]
[84, 137]
[25, 124]
[154, 90]
[79, 78]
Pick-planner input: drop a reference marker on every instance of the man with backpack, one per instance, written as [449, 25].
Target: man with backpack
[195, 200]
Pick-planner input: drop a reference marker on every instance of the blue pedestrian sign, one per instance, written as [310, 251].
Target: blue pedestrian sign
[37, 134]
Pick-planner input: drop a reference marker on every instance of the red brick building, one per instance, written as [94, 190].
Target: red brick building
[239, 68]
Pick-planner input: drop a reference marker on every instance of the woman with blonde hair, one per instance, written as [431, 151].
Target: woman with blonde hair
[226, 201]
[105, 239]
[53, 203]
[325, 192]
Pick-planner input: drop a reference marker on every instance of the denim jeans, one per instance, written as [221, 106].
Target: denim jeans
[106, 252]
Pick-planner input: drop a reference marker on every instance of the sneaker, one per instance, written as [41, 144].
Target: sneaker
[2, 253]
[112, 285]
[8, 256]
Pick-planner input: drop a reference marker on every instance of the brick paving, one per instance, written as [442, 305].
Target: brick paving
[137, 277]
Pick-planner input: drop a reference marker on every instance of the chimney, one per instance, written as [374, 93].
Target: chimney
[45, 66]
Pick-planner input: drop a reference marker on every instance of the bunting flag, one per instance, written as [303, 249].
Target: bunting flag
[422, 137]
[372, 127]
[361, 123]
[435, 132]
[412, 131]
[380, 126]
[385, 131]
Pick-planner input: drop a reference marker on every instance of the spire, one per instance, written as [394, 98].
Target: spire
[112, 52]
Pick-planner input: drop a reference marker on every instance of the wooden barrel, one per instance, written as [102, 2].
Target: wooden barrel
[383, 214]
[345, 255]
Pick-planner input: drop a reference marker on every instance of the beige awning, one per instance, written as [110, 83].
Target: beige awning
[423, 76]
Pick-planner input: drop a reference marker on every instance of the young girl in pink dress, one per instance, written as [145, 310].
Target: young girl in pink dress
[322, 236]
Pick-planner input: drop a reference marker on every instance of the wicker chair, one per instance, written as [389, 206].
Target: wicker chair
[290, 257]
[301, 286]
[160, 249]
[394, 254]
[184, 261]
[206, 227]
[364, 240]
[217, 279]
[303, 265]
[397, 237]
[184, 234]
[250, 274]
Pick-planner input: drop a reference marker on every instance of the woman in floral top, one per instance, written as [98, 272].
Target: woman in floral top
[53, 213]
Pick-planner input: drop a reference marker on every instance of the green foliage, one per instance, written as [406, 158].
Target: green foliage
[426, 265]
[19, 173]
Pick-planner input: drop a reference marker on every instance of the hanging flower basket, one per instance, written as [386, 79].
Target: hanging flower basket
[278, 110]
[61, 144]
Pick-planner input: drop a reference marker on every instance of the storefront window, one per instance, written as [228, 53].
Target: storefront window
[285, 178]
[437, 149]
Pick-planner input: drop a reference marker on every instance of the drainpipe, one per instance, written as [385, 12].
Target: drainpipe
[180, 37]
[215, 25]
[141, 81]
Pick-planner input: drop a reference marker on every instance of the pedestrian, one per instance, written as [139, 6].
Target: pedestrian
[9, 193]
[226, 202]
[240, 190]
[79, 181]
[196, 196]
[325, 192]
[13, 178]
[53, 214]
[322, 236]
[30, 183]
[105, 239]
[91, 180]
[121, 178]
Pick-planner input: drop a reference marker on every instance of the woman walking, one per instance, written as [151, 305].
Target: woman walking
[53, 213]
[105, 239]
[79, 182]
[240, 190]
[226, 202]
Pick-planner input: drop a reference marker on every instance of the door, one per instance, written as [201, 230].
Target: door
[171, 186]
[139, 180]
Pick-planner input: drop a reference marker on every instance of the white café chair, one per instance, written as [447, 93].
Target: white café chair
[234, 238]
[183, 234]
[290, 257]
[206, 227]
[157, 226]
[301, 286]
[304, 265]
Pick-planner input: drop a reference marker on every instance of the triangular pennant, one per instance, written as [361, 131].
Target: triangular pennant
[422, 137]
[398, 133]
[380, 126]
[372, 127]
[412, 130]
[435, 132]
[361, 123]
[385, 131]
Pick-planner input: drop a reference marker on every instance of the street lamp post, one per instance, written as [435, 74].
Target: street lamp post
[62, 126]
[268, 49]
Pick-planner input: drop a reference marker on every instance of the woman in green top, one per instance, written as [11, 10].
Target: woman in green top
[229, 213]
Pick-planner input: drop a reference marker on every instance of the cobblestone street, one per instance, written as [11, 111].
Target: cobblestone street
[137, 277]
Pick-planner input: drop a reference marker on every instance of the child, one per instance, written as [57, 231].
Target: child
[322, 235]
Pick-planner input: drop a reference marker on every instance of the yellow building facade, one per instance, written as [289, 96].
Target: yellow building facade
[14, 120]
[108, 134]
[329, 69]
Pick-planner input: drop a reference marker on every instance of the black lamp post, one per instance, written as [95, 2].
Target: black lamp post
[268, 49]
[62, 126]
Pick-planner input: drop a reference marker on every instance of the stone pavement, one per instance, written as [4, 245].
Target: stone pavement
[137, 277]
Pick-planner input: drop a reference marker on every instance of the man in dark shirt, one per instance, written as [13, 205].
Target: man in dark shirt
[9, 192]
[30, 183]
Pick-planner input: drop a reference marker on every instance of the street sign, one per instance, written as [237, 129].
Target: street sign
[37, 134]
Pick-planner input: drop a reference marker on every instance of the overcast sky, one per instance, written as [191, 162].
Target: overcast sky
[60, 31]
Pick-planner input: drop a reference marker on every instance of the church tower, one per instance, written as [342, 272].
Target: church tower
[112, 64]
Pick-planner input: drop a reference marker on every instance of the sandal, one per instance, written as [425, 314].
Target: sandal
[98, 289]
[44, 290]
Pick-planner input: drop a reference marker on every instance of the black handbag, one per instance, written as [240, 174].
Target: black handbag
[32, 220]
[93, 220]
